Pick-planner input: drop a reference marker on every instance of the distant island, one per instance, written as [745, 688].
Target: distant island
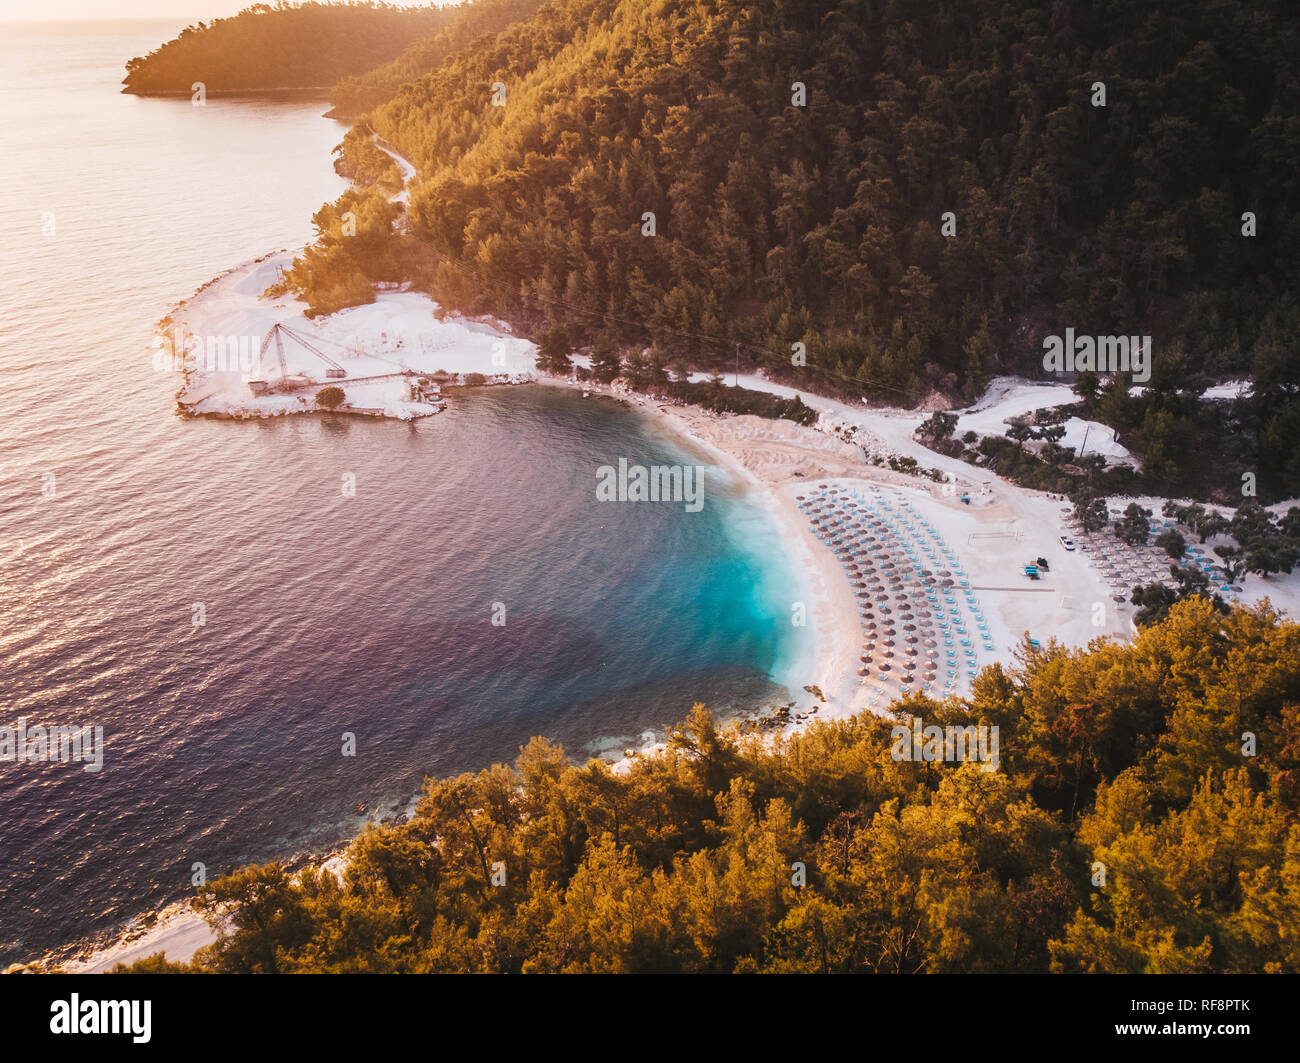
[311, 45]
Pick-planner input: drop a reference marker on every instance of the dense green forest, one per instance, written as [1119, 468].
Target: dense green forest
[799, 160]
[362, 163]
[281, 46]
[354, 96]
[1143, 818]
[777, 222]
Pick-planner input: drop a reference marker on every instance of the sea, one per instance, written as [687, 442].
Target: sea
[216, 597]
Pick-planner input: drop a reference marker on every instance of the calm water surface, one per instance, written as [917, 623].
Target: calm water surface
[324, 614]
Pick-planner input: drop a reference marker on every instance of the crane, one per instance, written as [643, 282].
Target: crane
[278, 332]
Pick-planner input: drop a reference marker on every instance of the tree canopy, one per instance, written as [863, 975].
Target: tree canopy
[1143, 818]
[880, 199]
[778, 222]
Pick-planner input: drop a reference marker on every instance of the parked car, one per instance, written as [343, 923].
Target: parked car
[1067, 542]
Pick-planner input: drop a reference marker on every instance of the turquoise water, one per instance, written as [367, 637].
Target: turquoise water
[324, 614]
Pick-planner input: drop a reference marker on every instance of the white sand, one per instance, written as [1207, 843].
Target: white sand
[377, 345]
[178, 931]
[395, 334]
[1004, 527]
[1010, 397]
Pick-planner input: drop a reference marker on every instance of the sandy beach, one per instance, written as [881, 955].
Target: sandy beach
[997, 532]
[992, 528]
[1001, 529]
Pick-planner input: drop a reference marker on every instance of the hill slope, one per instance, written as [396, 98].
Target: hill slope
[917, 193]
[777, 222]
[466, 23]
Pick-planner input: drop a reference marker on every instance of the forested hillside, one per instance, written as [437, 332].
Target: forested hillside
[467, 22]
[878, 199]
[1130, 826]
[777, 223]
[281, 46]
